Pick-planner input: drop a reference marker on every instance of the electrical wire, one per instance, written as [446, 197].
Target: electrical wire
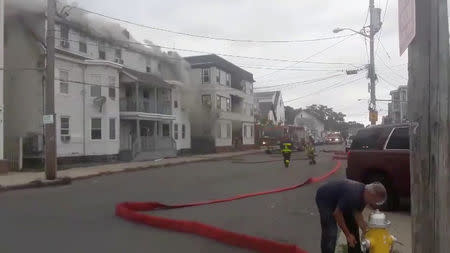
[386, 81]
[309, 57]
[206, 52]
[290, 69]
[393, 71]
[204, 36]
[333, 86]
[300, 83]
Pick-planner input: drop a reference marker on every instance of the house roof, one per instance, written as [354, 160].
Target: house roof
[146, 77]
[212, 60]
[266, 94]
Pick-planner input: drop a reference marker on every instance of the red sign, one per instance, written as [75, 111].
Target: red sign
[406, 23]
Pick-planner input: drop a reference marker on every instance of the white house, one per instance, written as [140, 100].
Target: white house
[312, 125]
[271, 106]
[223, 116]
[398, 108]
[113, 96]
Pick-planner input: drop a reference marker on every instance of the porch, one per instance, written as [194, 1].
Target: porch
[145, 140]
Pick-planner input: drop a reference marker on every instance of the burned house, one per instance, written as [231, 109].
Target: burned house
[114, 96]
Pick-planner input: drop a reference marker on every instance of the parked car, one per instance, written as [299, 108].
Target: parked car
[348, 143]
[381, 153]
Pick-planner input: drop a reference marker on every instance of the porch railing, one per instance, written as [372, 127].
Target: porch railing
[145, 105]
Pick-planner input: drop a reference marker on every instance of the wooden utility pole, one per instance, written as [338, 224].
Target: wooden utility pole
[428, 105]
[49, 122]
[373, 98]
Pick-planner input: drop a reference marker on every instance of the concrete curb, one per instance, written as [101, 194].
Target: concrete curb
[68, 180]
[38, 184]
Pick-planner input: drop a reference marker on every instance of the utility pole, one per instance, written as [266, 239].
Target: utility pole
[429, 109]
[373, 114]
[49, 110]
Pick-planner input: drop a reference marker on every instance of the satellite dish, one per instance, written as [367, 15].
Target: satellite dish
[99, 102]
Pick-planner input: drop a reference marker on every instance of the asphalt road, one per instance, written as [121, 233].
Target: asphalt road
[80, 217]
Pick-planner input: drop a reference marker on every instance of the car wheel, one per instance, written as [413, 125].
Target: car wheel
[392, 200]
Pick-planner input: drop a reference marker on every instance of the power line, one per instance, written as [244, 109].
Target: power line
[309, 57]
[384, 48]
[300, 83]
[381, 30]
[387, 66]
[333, 86]
[205, 36]
[290, 69]
[386, 81]
[206, 52]
[86, 83]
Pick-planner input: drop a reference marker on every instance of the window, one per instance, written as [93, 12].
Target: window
[399, 139]
[63, 82]
[219, 130]
[205, 75]
[218, 102]
[96, 129]
[112, 89]
[206, 100]
[64, 32]
[228, 80]
[251, 131]
[369, 138]
[245, 132]
[118, 53]
[175, 103]
[228, 105]
[148, 63]
[96, 90]
[65, 129]
[102, 55]
[218, 76]
[175, 131]
[228, 130]
[101, 50]
[82, 43]
[166, 130]
[159, 67]
[183, 131]
[112, 129]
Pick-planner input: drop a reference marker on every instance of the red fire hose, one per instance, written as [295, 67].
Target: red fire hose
[130, 211]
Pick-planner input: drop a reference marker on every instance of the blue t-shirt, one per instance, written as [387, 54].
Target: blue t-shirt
[347, 195]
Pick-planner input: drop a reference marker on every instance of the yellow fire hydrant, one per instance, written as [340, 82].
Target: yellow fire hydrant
[378, 239]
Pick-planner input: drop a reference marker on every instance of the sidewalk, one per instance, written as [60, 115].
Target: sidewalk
[28, 179]
[400, 228]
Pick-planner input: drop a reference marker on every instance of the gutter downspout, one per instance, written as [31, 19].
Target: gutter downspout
[84, 109]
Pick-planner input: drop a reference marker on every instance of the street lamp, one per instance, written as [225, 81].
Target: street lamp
[362, 32]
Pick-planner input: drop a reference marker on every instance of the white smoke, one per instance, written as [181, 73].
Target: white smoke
[13, 7]
[100, 27]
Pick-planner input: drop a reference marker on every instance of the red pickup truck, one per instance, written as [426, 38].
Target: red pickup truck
[381, 153]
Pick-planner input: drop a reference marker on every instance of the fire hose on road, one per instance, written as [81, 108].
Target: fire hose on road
[131, 211]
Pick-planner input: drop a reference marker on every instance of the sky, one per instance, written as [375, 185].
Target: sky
[280, 20]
